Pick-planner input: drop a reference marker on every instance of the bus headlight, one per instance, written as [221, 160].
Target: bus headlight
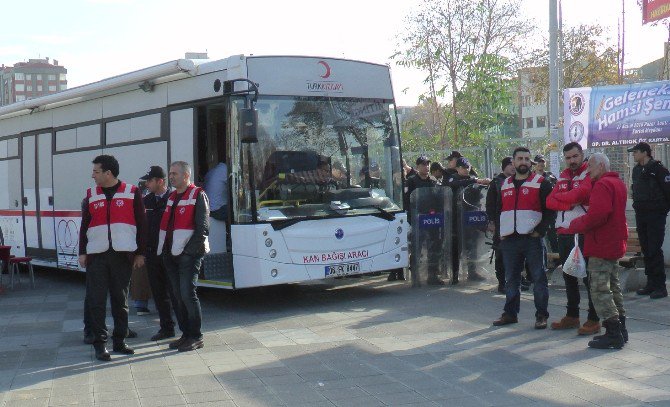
[274, 273]
[268, 242]
[273, 253]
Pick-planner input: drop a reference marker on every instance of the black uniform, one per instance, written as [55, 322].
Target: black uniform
[552, 236]
[457, 183]
[160, 285]
[430, 238]
[651, 194]
[492, 198]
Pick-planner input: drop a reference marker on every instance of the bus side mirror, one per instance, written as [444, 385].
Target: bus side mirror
[248, 125]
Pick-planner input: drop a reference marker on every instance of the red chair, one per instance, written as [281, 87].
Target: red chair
[14, 263]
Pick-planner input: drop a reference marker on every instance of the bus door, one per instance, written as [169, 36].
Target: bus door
[11, 213]
[37, 195]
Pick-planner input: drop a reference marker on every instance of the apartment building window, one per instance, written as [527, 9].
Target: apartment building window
[62, 86]
[20, 87]
[528, 123]
[541, 121]
[62, 76]
[20, 98]
[52, 88]
[39, 88]
[39, 77]
[29, 77]
[19, 76]
[29, 88]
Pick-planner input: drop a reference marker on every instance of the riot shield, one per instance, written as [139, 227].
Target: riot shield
[474, 241]
[430, 215]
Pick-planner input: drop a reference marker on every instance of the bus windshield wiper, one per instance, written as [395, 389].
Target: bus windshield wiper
[382, 213]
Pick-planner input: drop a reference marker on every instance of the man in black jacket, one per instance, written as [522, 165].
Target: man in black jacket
[154, 204]
[459, 180]
[651, 194]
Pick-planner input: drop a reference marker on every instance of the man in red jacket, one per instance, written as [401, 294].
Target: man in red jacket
[605, 234]
[570, 198]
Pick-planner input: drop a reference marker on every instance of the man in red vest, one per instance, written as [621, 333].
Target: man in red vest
[524, 220]
[570, 198]
[111, 244]
[605, 234]
[182, 243]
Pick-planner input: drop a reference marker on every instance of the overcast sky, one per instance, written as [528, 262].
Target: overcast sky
[95, 39]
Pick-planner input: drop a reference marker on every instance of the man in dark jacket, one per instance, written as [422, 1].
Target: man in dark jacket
[493, 214]
[154, 204]
[651, 194]
[183, 243]
[458, 181]
[605, 233]
[430, 238]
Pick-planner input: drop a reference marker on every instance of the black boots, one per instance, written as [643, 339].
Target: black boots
[122, 348]
[101, 352]
[613, 337]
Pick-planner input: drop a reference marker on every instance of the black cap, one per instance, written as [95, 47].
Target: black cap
[423, 160]
[154, 172]
[539, 158]
[463, 162]
[641, 147]
[505, 162]
[454, 154]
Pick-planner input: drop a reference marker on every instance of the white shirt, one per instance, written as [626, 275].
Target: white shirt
[216, 186]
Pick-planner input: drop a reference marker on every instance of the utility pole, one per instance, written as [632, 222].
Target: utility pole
[553, 83]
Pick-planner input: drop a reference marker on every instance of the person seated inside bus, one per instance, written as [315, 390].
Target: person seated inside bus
[370, 178]
[216, 188]
[339, 174]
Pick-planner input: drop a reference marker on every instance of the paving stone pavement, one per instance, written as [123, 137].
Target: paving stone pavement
[349, 342]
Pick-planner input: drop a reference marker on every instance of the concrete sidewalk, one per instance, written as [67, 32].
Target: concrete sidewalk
[350, 342]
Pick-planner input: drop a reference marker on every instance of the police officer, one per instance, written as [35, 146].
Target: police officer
[493, 213]
[111, 244]
[154, 204]
[651, 194]
[461, 179]
[429, 237]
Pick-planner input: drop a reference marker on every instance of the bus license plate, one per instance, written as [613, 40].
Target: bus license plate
[337, 270]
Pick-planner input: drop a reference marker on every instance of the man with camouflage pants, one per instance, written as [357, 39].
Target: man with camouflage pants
[605, 233]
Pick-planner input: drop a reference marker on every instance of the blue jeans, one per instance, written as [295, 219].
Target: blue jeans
[183, 273]
[516, 250]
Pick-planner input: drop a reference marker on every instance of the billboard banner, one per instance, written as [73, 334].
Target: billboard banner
[654, 10]
[618, 115]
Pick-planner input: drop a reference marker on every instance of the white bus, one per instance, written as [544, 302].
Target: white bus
[316, 192]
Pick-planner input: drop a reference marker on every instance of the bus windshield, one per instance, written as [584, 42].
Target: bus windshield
[319, 157]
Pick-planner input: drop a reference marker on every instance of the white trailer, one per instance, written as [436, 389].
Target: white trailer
[317, 195]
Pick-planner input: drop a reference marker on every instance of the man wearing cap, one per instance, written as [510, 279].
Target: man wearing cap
[111, 243]
[461, 179]
[154, 204]
[493, 214]
[651, 194]
[451, 165]
[540, 164]
[570, 198]
[431, 238]
[524, 219]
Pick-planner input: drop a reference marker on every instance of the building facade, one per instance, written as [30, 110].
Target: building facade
[533, 106]
[28, 80]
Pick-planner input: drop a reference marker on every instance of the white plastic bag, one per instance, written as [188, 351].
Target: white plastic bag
[575, 265]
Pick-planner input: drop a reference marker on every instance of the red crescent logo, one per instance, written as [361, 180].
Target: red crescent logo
[325, 65]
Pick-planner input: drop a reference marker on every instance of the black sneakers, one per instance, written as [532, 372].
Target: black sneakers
[101, 352]
[191, 344]
[176, 344]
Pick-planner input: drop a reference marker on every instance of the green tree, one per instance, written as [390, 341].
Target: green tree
[460, 42]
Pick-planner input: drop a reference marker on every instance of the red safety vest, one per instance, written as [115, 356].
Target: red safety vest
[184, 221]
[113, 220]
[521, 208]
